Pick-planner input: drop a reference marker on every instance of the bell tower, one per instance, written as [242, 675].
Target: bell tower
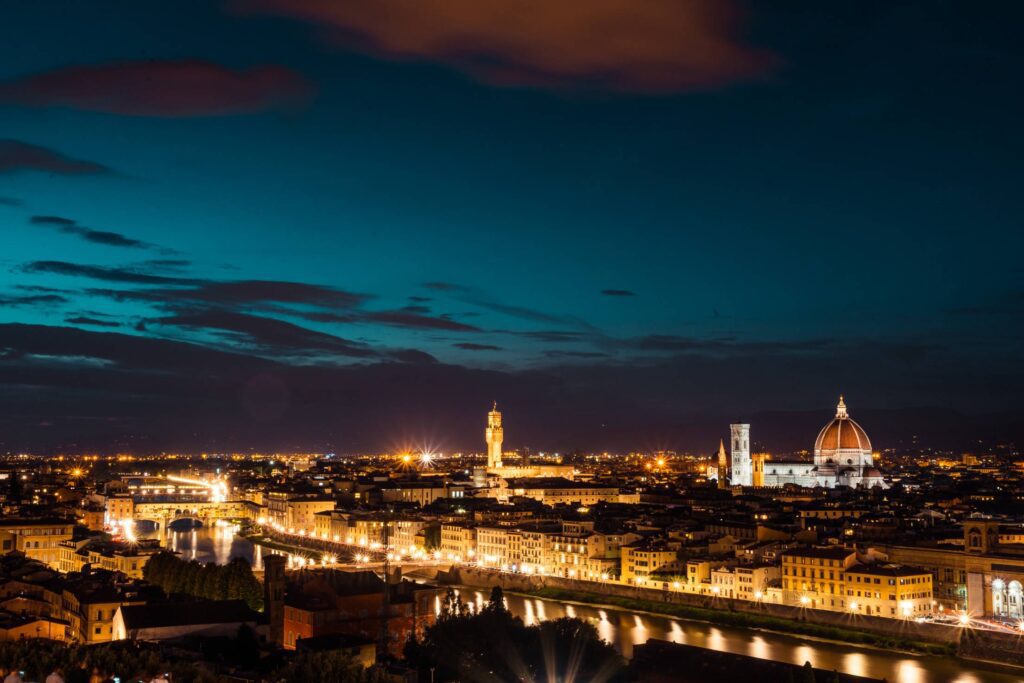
[742, 467]
[495, 435]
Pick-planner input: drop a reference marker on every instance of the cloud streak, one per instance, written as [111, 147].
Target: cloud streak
[16, 155]
[171, 89]
[104, 237]
[615, 45]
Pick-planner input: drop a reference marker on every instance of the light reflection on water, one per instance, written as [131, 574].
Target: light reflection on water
[216, 543]
[624, 629]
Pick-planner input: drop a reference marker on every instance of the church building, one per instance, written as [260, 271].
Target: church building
[842, 457]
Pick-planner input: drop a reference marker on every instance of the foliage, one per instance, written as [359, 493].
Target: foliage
[131, 662]
[432, 536]
[233, 581]
[493, 645]
[334, 666]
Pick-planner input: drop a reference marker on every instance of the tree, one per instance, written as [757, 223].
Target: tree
[496, 603]
[322, 666]
[234, 581]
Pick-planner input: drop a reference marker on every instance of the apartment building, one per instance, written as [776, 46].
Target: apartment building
[889, 590]
[643, 559]
[458, 541]
[39, 539]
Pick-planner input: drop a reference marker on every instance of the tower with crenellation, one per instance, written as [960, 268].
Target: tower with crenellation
[494, 435]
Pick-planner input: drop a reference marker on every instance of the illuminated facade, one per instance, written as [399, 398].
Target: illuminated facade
[841, 580]
[842, 457]
[38, 539]
[495, 436]
[742, 466]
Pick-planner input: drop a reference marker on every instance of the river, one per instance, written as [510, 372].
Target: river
[624, 629]
[219, 543]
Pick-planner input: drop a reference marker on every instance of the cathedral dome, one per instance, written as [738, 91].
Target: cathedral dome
[841, 434]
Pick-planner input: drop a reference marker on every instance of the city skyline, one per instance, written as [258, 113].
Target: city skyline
[260, 224]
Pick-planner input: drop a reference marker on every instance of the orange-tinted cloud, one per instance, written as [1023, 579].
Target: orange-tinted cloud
[623, 45]
[166, 89]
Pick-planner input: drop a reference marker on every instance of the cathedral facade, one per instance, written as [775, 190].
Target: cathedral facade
[842, 457]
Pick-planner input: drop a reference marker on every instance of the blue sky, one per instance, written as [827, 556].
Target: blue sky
[748, 210]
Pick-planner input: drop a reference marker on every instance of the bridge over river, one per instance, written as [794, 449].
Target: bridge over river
[167, 510]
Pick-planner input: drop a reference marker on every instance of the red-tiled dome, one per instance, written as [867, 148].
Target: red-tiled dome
[842, 433]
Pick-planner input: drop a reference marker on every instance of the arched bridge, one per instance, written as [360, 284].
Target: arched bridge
[164, 512]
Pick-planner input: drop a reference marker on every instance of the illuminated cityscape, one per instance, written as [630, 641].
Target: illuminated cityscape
[511, 341]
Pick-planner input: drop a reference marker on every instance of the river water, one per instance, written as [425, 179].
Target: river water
[219, 543]
[624, 629]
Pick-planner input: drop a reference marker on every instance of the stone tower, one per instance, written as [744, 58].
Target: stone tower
[273, 596]
[494, 435]
[742, 467]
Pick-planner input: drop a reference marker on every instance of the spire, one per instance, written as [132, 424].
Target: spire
[495, 408]
[841, 409]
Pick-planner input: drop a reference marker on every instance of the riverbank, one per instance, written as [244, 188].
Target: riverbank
[265, 542]
[744, 620]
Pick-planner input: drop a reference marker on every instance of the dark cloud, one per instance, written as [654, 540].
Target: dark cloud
[575, 354]
[41, 288]
[264, 291]
[402, 318]
[160, 88]
[470, 346]
[22, 156]
[11, 201]
[168, 263]
[86, 320]
[324, 316]
[268, 335]
[419, 299]
[53, 220]
[71, 227]
[617, 292]
[552, 335]
[469, 296]
[679, 344]
[104, 273]
[67, 388]
[413, 356]
[416, 321]
[524, 313]
[184, 289]
[620, 45]
[33, 300]
[416, 309]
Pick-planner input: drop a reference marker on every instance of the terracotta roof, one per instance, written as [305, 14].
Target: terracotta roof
[842, 432]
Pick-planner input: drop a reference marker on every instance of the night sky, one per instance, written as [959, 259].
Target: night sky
[313, 224]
